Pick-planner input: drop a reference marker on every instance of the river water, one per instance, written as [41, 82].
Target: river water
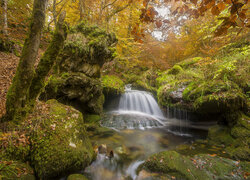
[136, 129]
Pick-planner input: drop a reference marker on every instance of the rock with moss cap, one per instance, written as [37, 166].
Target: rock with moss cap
[75, 79]
[86, 49]
[173, 164]
[59, 141]
[77, 89]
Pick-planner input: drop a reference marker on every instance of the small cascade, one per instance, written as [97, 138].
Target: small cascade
[139, 101]
[136, 110]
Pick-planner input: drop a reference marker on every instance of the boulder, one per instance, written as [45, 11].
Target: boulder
[77, 89]
[175, 165]
[86, 49]
[59, 141]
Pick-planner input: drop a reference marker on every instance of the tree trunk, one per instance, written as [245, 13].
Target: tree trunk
[48, 59]
[16, 107]
[54, 12]
[5, 18]
[81, 9]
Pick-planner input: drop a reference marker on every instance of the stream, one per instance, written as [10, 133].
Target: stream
[136, 129]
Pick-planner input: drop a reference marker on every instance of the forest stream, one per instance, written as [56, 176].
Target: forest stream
[141, 129]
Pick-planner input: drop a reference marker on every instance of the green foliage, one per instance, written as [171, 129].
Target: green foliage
[216, 85]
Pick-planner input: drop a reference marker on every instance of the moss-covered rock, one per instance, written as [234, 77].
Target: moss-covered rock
[12, 170]
[215, 96]
[86, 49]
[219, 135]
[59, 142]
[172, 164]
[112, 85]
[77, 89]
[236, 139]
[52, 139]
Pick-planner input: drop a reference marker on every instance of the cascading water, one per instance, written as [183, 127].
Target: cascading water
[136, 110]
[139, 101]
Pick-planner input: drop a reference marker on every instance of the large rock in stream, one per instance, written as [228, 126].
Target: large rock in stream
[176, 166]
[52, 139]
[75, 80]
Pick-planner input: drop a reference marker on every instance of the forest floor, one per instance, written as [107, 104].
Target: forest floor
[8, 66]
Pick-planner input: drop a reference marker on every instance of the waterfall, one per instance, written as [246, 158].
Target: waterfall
[136, 110]
[133, 101]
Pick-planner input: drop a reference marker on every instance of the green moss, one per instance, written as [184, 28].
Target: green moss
[92, 118]
[112, 84]
[77, 177]
[172, 163]
[13, 170]
[176, 69]
[188, 63]
[60, 143]
[214, 96]
[218, 135]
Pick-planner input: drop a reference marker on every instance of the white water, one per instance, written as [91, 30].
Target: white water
[139, 101]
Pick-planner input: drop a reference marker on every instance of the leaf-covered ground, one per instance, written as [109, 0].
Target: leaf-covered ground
[8, 65]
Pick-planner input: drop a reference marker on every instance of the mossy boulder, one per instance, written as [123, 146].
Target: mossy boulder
[112, 85]
[77, 89]
[13, 170]
[52, 139]
[172, 164]
[215, 96]
[59, 140]
[85, 50]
